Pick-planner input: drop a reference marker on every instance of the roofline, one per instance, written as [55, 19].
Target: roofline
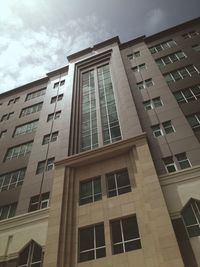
[95, 47]
[132, 42]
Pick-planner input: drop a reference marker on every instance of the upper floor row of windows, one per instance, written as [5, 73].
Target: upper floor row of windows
[35, 94]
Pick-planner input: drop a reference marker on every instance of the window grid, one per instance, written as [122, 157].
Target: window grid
[26, 128]
[191, 218]
[54, 116]
[168, 127]
[163, 61]
[7, 211]
[190, 34]
[162, 46]
[127, 237]
[90, 190]
[153, 103]
[170, 165]
[7, 116]
[31, 256]
[89, 136]
[194, 121]
[56, 98]
[180, 74]
[19, 151]
[139, 67]
[12, 179]
[49, 165]
[35, 94]
[145, 84]
[98, 247]
[183, 161]
[3, 134]
[31, 109]
[50, 138]
[157, 131]
[109, 117]
[187, 95]
[39, 202]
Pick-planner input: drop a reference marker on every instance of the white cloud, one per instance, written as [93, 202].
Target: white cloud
[27, 54]
[155, 18]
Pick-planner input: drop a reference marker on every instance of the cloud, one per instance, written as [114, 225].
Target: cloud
[155, 19]
[27, 53]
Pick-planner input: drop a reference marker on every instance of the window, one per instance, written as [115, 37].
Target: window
[12, 179]
[157, 131]
[31, 109]
[53, 116]
[118, 183]
[50, 138]
[90, 190]
[35, 94]
[92, 243]
[39, 202]
[56, 98]
[26, 128]
[169, 164]
[145, 84]
[11, 101]
[134, 55]
[3, 134]
[196, 47]
[18, 151]
[168, 127]
[194, 121]
[62, 82]
[153, 103]
[8, 211]
[56, 85]
[188, 94]
[183, 160]
[190, 34]
[41, 165]
[180, 74]
[7, 116]
[139, 67]
[125, 235]
[30, 256]
[191, 217]
[170, 58]
[130, 56]
[109, 118]
[162, 46]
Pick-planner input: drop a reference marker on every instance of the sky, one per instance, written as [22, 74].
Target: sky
[37, 35]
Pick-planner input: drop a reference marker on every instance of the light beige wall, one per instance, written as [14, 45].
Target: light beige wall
[16, 232]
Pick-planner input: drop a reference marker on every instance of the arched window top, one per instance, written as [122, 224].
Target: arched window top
[30, 255]
[191, 217]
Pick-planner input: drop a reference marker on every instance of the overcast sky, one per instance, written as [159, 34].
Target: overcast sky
[37, 35]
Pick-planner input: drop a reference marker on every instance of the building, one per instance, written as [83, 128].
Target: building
[100, 160]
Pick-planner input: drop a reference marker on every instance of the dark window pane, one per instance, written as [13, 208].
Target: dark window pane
[118, 249]
[86, 256]
[100, 240]
[37, 253]
[130, 228]
[116, 232]
[132, 245]
[86, 239]
[188, 216]
[23, 259]
[100, 253]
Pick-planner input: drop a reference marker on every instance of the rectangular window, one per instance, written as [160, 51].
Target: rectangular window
[18, 151]
[136, 54]
[26, 128]
[11, 180]
[49, 163]
[179, 74]
[7, 116]
[163, 61]
[194, 121]
[35, 94]
[125, 235]
[50, 138]
[31, 109]
[3, 134]
[190, 34]
[196, 47]
[39, 202]
[191, 217]
[162, 46]
[8, 211]
[118, 183]
[54, 116]
[139, 67]
[170, 165]
[90, 191]
[183, 160]
[11, 101]
[92, 243]
[153, 103]
[157, 131]
[61, 83]
[145, 84]
[168, 127]
[188, 94]
[56, 98]
[109, 117]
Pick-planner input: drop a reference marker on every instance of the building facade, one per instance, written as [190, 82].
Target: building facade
[100, 160]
